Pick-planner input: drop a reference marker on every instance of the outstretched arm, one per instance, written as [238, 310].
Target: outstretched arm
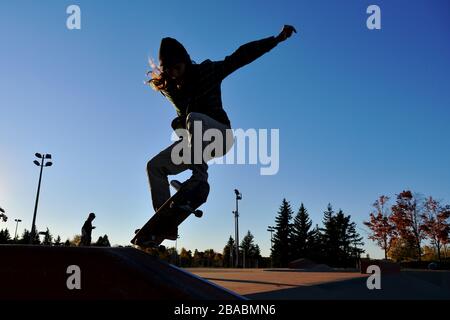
[253, 50]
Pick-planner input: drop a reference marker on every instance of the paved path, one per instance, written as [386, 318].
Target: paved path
[289, 284]
[250, 281]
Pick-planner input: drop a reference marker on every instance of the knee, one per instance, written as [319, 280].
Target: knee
[153, 165]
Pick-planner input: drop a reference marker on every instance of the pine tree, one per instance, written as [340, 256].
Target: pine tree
[250, 250]
[315, 245]
[26, 237]
[349, 239]
[48, 238]
[329, 236]
[340, 224]
[36, 239]
[301, 234]
[228, 253]
[5, 237]
[281, 241]
[106, 242]
[57, 241]
[354, 243]
[103, 241]
[341, 241]
[328, 227]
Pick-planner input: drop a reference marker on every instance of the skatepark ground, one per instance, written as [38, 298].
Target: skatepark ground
[288, 284]
[43, 273]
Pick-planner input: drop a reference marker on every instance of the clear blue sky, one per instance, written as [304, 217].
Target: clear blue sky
[361, 113]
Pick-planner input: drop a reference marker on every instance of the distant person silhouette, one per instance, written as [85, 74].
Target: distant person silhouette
[86, 230]
[194, 90]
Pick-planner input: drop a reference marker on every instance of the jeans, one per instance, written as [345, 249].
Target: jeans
[162, 165]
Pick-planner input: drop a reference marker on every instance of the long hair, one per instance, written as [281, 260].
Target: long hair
[158, 79]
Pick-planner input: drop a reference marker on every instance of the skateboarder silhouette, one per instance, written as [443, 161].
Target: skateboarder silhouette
[194, 90]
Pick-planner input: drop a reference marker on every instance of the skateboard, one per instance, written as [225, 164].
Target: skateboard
[163, 225]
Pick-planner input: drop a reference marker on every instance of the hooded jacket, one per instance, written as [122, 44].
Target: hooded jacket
[201, 90]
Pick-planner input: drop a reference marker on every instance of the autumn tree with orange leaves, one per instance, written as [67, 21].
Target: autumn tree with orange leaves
[435, 223]
[382, 228]
[407, 216]
[400, 229]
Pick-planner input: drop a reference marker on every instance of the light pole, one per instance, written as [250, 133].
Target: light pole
[17, 224]
[176, 250]
[41, 164]
[231, 255]
[271, 229]
[236, 224]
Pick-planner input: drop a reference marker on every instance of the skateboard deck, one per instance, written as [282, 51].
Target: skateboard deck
[163, 225]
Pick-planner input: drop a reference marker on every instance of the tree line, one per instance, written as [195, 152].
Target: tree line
[48, 239]
[401, 229]
[336, 243]
[249, 255]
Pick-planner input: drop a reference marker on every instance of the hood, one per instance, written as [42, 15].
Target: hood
[171, 52]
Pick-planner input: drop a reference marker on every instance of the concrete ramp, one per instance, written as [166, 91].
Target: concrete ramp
[41, 272]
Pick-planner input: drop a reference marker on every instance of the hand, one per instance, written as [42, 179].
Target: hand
[286, 33]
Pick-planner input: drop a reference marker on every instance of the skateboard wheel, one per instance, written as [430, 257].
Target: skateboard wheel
[198, 213]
